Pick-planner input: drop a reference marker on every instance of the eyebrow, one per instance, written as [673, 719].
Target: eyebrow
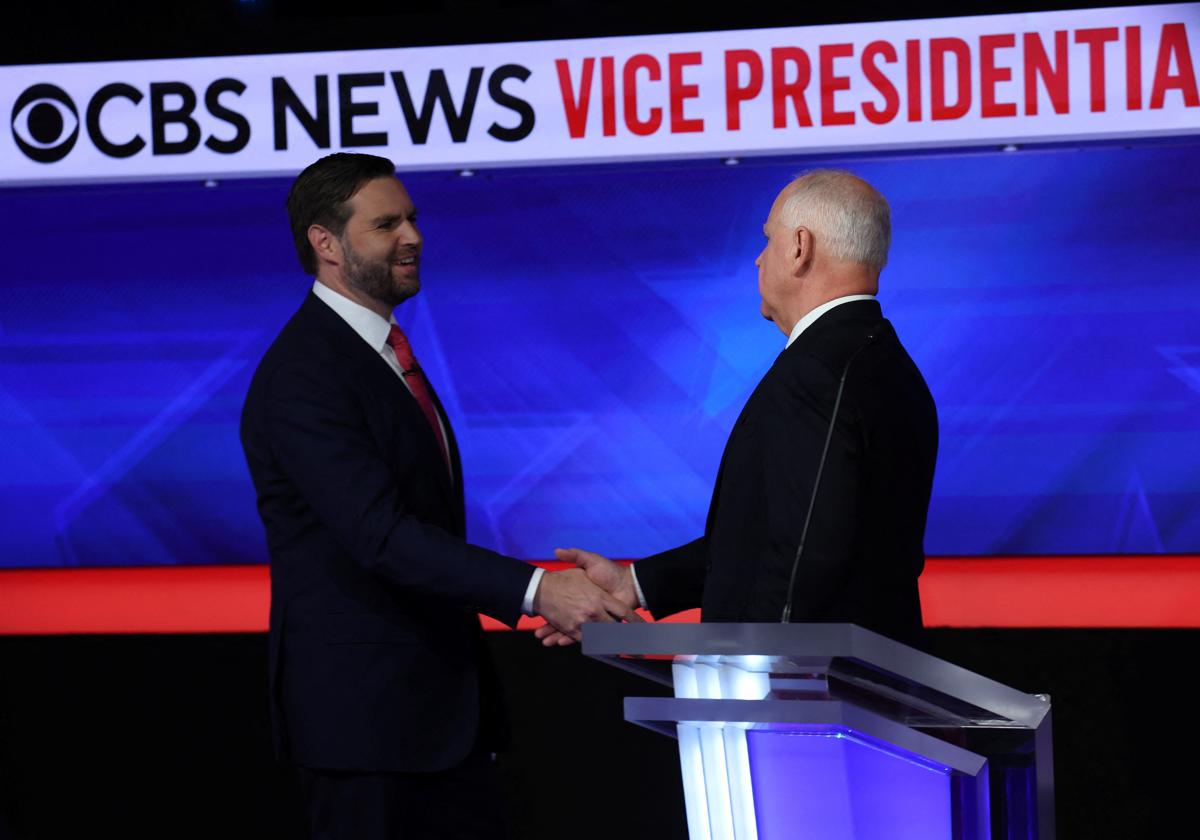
[391, 217]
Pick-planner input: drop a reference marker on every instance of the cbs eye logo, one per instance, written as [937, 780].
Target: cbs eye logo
[45, 123]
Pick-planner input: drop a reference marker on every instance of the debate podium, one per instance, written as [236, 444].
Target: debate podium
[831, 731]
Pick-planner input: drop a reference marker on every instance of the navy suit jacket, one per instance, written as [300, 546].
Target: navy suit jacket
[376, 656]
[864, 549]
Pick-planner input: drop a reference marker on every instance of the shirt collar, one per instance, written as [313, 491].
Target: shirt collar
[807, 321]
[370, 326]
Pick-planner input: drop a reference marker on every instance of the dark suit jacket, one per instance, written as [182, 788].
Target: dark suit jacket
[376, 656]
[864, 549]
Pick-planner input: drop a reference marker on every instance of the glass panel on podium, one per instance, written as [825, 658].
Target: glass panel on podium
[831, 731]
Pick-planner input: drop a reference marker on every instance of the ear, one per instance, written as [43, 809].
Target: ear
[800, 251]
[325, 245]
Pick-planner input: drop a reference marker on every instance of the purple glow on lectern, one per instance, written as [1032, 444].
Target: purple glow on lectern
[836, 784]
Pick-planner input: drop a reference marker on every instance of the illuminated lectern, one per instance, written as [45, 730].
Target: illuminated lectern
[831, 731]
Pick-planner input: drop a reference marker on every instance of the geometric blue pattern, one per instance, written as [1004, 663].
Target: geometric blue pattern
[593, 332]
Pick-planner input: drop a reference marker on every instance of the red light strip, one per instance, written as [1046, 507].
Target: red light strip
[1112, 591]
[1161, 591]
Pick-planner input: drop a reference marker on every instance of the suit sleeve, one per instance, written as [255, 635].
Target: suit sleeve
[793, 431]
[319, 436]
[673, 581]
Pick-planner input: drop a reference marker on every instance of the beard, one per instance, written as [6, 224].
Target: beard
[375, 278]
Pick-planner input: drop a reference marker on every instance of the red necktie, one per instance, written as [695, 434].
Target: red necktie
[414, 377]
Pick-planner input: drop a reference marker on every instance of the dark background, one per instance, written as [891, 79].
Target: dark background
[49, 32]
[167, 736]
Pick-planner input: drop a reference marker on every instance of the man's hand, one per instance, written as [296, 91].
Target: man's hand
[568, 599]
[616, 580]
[612, 578]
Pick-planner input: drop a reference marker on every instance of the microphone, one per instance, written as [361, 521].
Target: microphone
[812, 501]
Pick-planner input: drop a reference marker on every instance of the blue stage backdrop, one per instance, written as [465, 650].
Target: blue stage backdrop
[594, 332]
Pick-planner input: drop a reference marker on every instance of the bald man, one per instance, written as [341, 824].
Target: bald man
[825, 481]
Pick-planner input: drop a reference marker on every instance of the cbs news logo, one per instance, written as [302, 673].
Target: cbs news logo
[46, 123]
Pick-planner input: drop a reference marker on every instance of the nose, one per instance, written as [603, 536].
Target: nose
[409, 235]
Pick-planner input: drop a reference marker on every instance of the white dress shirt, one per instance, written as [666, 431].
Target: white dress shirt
[374, 329]
[801, 325]
[807, 321]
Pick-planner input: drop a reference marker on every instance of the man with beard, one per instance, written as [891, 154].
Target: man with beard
[819, 508]
[382, 693]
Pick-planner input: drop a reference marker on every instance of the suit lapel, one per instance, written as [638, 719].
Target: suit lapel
[414, 419]
[455, 488]
[361, 355]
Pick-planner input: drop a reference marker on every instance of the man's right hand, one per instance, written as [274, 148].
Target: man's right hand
[568, 599]
[615, 579]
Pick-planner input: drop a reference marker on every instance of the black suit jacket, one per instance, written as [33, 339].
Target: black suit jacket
[376, 656]
[864, 549]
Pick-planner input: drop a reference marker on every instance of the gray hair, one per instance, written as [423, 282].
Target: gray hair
[851, 219]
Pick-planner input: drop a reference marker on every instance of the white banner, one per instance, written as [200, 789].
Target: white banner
[1054, 76]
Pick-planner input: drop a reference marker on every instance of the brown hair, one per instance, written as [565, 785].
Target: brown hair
[320, 196]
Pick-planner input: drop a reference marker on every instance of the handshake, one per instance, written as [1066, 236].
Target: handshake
[597, 590]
